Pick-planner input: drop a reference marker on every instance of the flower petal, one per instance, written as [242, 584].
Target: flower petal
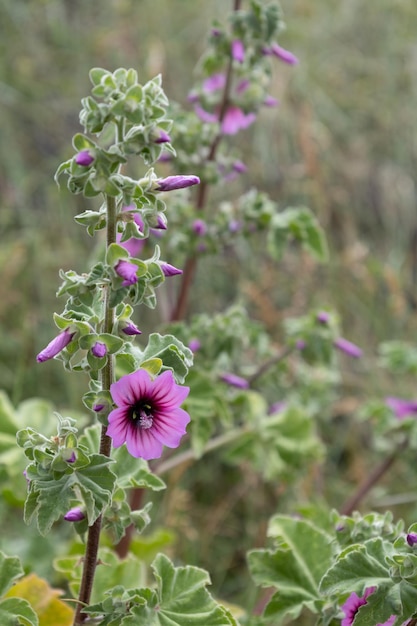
[142, 444]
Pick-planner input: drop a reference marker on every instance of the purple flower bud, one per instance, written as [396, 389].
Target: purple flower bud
[131, 329]
[323, 317]
[163, 137]
[193, 97]
[165, 157]
[283, 54]
[194, 345]
[55, 346]
[348, 347]
[402, 408]
[84, 158]
[412, 539]
[270, 101]
[215, 32]
[276, 407]
[238, 50]
[72, 458]
[99, 349]
[161, 223]
[199, 227]
[214, 83]
[234, 381]
[25, 474]
[235, 226]
[74, 515]
[169, 270]
[176, 182]
[97, 408]
[127, 271]
[239, 167]
[300, 344]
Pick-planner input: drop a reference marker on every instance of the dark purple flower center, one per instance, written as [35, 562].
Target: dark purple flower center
[142, 415]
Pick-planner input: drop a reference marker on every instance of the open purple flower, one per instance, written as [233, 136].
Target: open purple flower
[214, 83]
[55, 346]
[127, 271]
[148, 414]
[238, 50]
[84, 158]
[348, 347]
[74, 515]
[353, 604]
[402, 408]
[176, 182]
[235, 120]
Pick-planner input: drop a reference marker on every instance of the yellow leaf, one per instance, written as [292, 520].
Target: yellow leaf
[44, 601]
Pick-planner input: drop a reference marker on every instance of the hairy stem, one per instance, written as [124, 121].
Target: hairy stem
[370, 481]
[107, 375]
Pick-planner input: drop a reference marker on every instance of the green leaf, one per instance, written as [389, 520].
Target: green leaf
[295, 567]
[132, 472]
[50, 497]
[173, 353]
[96, 74]
[15, 611]
[358, 567]
[44, 601]
[10, 569]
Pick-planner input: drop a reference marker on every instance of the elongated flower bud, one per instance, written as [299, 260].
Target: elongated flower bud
[74, 515]
[238, 51]
[131, 329]
[348, 347]
[169, 270]
[55, 346]
[176, 182]
[282, 53]
[234, 380]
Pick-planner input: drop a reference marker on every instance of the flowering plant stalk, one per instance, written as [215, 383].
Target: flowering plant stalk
[259, 406]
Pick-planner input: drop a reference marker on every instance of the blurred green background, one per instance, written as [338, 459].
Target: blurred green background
[343, 142]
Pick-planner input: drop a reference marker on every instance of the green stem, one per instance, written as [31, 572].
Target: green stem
[107, 377]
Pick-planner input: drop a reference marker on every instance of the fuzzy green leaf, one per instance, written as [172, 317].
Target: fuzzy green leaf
[10, 569]
[295, 567]
[14, 611]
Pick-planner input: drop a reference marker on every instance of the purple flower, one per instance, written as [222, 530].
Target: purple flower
[412, 539]
[55, 346]
[99, 349]
[234, 380]
[176, 182]
[194, 344]
[165, 157]
[169, 270]
[300, 344]
[213, 83]
[131, 329]
[74, 515]
[148, 414]
[281, 53]
[353, 604]
[160, 223]
[97, 408]
[323, 317]
[238, 50]
[276, 407]
[401, 407]
[200, 227]
[270, 101]
[84, 158]
[235, 120]
[127, 271]
[163, 137]
[348, 347]
[234, 226]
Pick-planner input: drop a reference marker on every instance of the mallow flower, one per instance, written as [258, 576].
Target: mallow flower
[99, 349]
[55, 346]
[148, 414]
[402, 408]
[238, 50]
[74, 515]
[348, 347]
[169, 270]
[281, 53]
[354, 603]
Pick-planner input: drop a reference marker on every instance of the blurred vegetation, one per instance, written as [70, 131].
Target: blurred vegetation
[343, 142]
